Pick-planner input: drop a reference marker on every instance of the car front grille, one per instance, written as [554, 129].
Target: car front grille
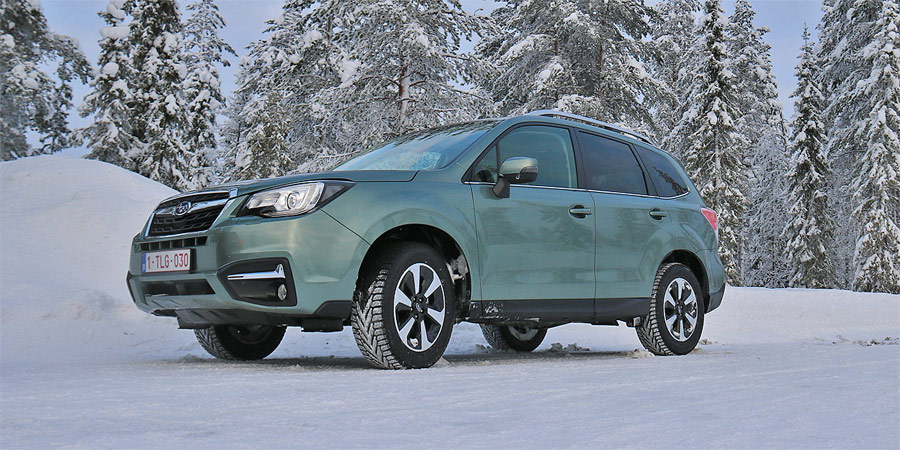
[187, 214]
[175, 243]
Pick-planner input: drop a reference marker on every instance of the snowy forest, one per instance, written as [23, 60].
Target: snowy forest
[804, 201]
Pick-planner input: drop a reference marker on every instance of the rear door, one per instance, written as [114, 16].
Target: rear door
[625, 229]
[531, 247]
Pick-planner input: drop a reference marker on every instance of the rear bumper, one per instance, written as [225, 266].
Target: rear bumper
[715, 277]
[320, 259]
[715, 299]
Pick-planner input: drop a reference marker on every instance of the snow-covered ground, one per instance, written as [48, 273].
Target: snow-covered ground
[80, 366]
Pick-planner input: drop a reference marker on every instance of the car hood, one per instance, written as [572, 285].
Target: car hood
[251, 186]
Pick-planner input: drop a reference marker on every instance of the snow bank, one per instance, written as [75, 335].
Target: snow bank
[65, 229]
[66, 226]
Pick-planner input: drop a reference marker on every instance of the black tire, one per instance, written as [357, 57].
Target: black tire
[243, 343]
[653, 332]
[520, 339]
[376, 312]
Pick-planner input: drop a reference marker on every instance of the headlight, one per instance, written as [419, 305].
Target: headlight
[296, 199]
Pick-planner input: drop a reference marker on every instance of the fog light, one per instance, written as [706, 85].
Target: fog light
[276, 292]
[265, 281]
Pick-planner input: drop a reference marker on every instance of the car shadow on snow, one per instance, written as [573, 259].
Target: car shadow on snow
[482, 357]
[490, 356]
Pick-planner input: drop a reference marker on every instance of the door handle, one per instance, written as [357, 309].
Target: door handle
[580, 211]
[658, 214]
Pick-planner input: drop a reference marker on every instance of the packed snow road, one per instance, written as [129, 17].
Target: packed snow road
[753, 384]
[815, 394]
[81, 367]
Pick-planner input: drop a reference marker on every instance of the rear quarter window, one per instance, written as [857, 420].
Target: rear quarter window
[667, 179]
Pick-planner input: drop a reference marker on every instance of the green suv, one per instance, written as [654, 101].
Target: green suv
[517, 224]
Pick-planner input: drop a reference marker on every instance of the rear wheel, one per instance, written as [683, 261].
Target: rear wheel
[520, 339]
[238, 342]
[404, 309]
[675, 321]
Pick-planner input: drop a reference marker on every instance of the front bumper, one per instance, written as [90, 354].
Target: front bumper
[321, 259]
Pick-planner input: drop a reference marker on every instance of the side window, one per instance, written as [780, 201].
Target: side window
[668, 180]
[550, 146]
[611, 165]
[486, 169]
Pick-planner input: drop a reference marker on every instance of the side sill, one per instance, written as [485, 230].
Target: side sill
[552, 312]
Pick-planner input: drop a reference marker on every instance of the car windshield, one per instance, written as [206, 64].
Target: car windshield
[430, 149]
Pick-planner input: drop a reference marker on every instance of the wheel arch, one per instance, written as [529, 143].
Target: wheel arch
[440, 240]
[694, 263]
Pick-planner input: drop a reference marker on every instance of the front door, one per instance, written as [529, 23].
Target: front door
[538, 244]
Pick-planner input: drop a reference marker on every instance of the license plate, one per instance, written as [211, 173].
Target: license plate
[167, 261]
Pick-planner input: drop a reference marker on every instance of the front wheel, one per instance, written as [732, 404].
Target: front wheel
[675, 321]
[507, 337]
[404, 308]
[236, 342]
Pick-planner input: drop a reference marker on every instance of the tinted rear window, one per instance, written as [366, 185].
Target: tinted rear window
[611, 165]
[665, 177]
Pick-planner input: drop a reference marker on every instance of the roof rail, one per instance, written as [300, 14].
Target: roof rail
[594, 122]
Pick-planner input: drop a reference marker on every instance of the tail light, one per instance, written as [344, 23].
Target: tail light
[712, 218]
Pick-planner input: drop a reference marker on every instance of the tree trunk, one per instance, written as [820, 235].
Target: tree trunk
[402, 119]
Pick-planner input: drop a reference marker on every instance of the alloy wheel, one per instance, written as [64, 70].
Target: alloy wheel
[680, 309]
[419, 307]
[523, 333]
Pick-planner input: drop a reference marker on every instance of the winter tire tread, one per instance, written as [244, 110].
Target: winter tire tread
[499, 338]
[367, 316]
[214, 341]
[650, 330]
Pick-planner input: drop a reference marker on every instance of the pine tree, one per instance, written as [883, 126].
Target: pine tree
[876, 188]
[809, 232]
[277, 82]
[30, 98]
[158, 108]
[346, 75]
[401, 68]
[109, 136]
[756, 92]
[713, 150]
[847, 27]
[263, 151]
[233, 129]
[301, 60]
[760, 119]
[673, 35]
[202, 88]
[586, 57]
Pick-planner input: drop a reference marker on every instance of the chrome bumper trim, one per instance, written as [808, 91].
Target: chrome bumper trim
[278, 273]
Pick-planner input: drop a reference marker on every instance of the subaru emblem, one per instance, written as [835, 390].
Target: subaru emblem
[182, 208]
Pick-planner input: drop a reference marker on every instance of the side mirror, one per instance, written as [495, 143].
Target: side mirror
[515, 170]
